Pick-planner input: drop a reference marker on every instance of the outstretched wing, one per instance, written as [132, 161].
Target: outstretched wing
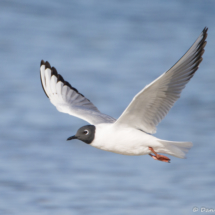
[152, 104]
[67, 99]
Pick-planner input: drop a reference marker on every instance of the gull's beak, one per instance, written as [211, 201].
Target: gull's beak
[72, 137]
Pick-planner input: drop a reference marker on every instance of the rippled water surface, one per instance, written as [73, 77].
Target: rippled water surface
[108, 50]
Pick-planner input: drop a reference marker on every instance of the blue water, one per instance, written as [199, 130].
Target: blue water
[108, 50]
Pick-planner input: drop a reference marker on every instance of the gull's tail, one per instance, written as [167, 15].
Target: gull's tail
[177, 149]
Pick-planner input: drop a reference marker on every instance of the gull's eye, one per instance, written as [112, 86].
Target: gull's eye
[86, 132]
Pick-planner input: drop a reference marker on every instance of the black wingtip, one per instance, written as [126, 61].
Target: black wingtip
[42, 63]
[46, 64]
[58, 76]
[205, 30]
[54, 72]
[204, 34]
[200, 51]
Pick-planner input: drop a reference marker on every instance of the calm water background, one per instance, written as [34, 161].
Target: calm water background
[108, 50]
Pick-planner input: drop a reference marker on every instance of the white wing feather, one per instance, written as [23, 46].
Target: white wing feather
[67, 99]
[152, 104]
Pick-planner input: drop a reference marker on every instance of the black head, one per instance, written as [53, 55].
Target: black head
[85, 134]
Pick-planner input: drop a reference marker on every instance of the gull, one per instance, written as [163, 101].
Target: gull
[131, 133]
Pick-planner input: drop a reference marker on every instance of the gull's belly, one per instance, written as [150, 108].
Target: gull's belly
[123, 140]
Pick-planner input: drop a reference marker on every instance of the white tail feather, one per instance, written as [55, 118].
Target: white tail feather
[177, 149]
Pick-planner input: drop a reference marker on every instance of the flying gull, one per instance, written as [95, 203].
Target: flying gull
[131, 133]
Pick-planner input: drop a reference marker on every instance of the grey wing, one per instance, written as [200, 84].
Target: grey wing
[67, 99]
[152, 104]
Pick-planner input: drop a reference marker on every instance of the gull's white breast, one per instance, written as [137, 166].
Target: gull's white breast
[123, 139]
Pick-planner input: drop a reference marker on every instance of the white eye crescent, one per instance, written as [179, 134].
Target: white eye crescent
[86, 132]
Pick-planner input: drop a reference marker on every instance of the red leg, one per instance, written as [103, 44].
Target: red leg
[158, 157]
